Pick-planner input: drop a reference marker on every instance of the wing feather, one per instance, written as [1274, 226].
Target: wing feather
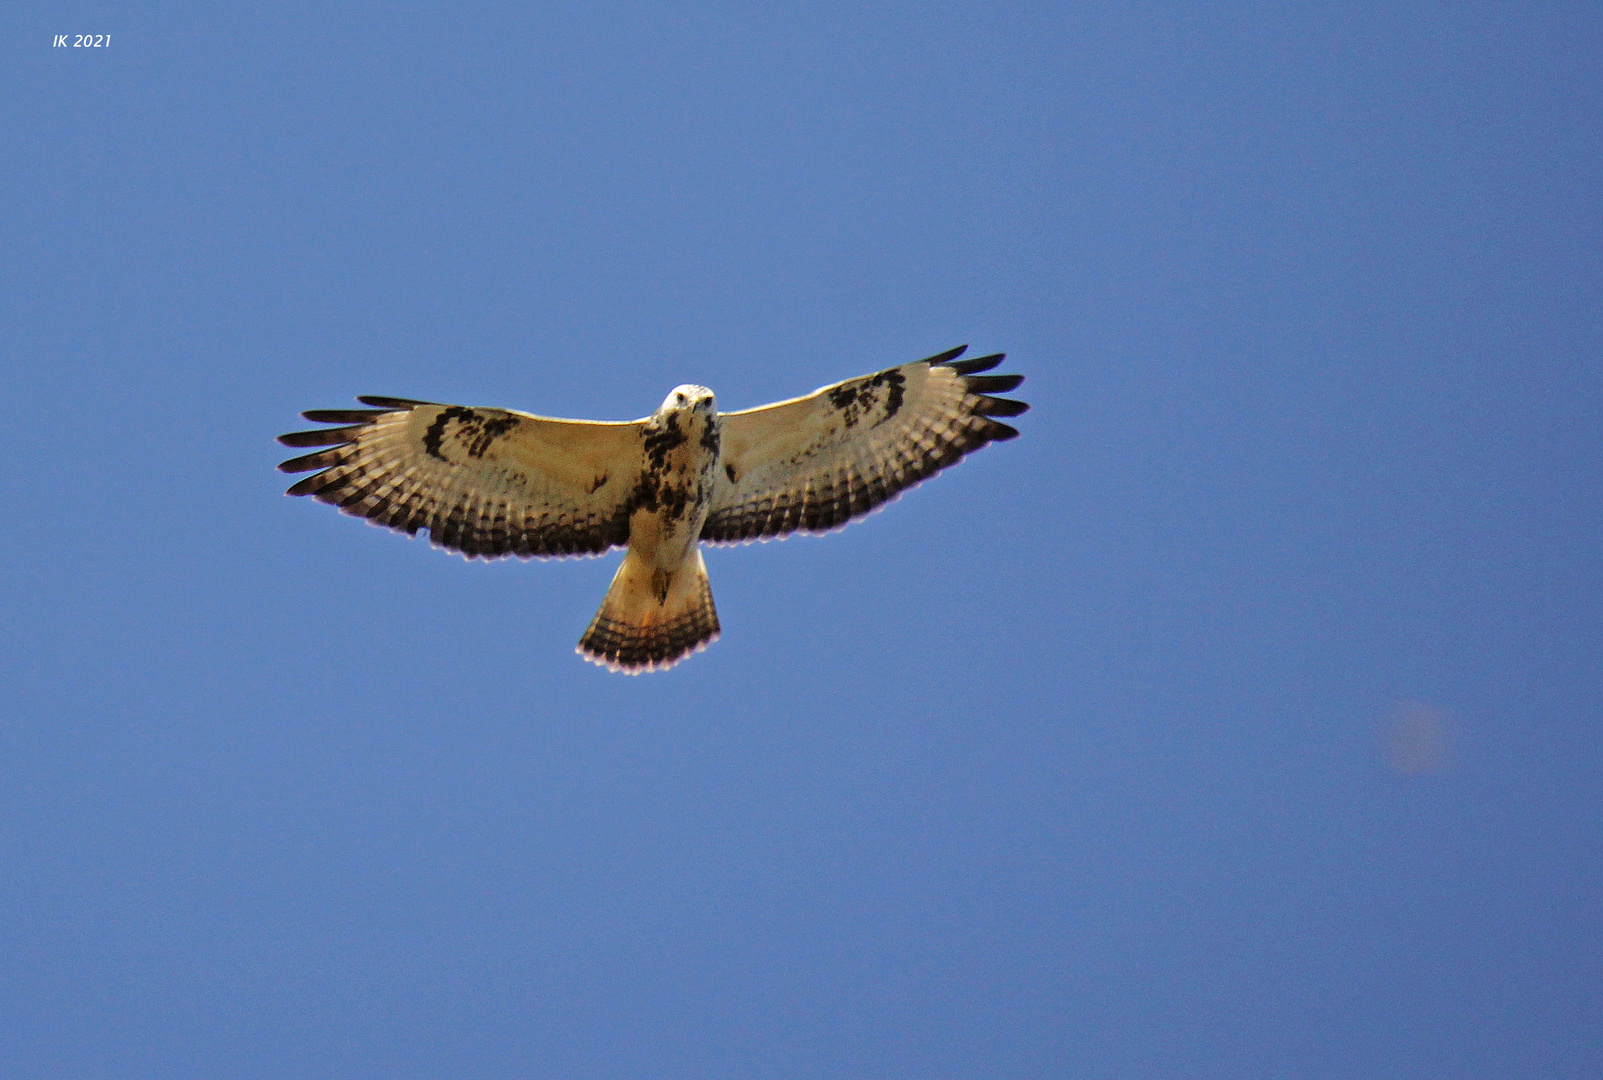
[813, 463]
[485, 482]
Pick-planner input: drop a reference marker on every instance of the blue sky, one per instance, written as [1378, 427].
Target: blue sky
[1239, 720]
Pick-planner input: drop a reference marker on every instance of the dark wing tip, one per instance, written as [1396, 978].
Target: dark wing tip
[390, 404]
[321, 437]
[991, 384]
[344, 416]
[996, 406]
[309, 485]
[996, 432]
[976, 363]
[320, 460]
[979, 387]
[942, 358]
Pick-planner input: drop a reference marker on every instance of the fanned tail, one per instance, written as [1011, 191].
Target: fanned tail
[651, 620]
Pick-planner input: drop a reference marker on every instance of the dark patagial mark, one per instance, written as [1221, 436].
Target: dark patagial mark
[858, 398]
[475, 431]
[436, 432]
[729, 471]
[895, 388]
[488, 432]
[844, 396]
[599, 482]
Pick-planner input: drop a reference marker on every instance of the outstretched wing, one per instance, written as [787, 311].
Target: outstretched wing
[485, 482]
[814, 463]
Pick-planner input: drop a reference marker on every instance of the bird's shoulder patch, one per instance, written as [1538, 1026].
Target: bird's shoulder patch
[470, 432]
[878, 396]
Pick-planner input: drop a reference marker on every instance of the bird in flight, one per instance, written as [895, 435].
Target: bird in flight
[495, 482]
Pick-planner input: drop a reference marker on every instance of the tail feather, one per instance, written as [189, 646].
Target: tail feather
[650, 621]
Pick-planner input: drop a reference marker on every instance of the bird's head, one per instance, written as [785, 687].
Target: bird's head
[690, 398]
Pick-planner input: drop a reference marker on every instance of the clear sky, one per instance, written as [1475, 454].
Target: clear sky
[1239, 720]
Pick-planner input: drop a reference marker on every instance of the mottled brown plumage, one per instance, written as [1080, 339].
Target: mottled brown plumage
[493, 482]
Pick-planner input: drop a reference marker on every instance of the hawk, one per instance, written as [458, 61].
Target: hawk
[494, 482]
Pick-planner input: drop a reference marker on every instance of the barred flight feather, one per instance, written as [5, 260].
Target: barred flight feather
[484, 482]
[815, 463]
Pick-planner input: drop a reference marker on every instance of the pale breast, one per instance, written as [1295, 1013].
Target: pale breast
[679, 457]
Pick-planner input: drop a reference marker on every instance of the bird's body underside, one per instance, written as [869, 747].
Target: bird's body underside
[659, 607]
[493, 482]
